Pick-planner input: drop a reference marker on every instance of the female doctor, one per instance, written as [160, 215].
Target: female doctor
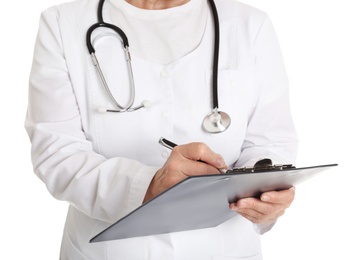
[94, 121]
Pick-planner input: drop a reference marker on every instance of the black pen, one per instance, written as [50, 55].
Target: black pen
[170, 145]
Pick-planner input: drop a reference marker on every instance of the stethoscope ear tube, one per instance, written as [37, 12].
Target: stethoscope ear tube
[128, 107]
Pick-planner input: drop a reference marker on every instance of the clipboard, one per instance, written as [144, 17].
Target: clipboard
[203, 201]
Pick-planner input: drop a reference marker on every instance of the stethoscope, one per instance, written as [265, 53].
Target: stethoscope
[215, 122]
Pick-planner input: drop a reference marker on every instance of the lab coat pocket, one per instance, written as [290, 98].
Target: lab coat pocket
[235, 97]
[235, 94]
[70, 250]
[235, 90]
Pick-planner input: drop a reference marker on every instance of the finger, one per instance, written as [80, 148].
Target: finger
[279, 197]
[182, 167]
[252, 215]
[202, 168]
[254, 207]
[257, 211]
[261, 219]
[191, 168]
[201, 152]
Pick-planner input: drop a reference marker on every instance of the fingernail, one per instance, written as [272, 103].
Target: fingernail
[265, 198]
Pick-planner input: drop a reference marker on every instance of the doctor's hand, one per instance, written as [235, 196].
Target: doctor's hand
[267, 209]
[185, 160]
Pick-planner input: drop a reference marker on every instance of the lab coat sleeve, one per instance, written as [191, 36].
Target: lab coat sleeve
[270, 132]
[63, 158]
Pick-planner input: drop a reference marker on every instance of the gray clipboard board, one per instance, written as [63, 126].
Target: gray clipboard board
[202, 201]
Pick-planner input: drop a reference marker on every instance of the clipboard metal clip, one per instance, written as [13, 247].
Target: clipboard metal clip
[263, 165]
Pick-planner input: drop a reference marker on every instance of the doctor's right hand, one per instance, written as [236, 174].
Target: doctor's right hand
[185, 160]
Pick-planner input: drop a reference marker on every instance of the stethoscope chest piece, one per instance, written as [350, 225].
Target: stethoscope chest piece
[216, 122]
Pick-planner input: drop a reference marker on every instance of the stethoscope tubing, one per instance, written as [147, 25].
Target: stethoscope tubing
[215, 54]
[123, 36]
[214, 122]
[125, 43]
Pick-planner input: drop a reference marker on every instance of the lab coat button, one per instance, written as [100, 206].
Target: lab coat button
[233, 83]
[164, 74]
[164, 155]
[165, 113]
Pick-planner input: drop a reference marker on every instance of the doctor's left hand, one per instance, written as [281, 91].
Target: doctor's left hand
[266, 209]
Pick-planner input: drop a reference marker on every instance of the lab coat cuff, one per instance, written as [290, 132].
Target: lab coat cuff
[263, 228]
[140, 184]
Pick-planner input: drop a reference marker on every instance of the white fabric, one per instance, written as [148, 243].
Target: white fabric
[102, 164]
[161, 36]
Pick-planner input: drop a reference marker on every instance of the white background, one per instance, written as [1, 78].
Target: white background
[322, 42]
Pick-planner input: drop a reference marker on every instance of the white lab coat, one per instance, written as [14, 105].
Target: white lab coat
[102, 164]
